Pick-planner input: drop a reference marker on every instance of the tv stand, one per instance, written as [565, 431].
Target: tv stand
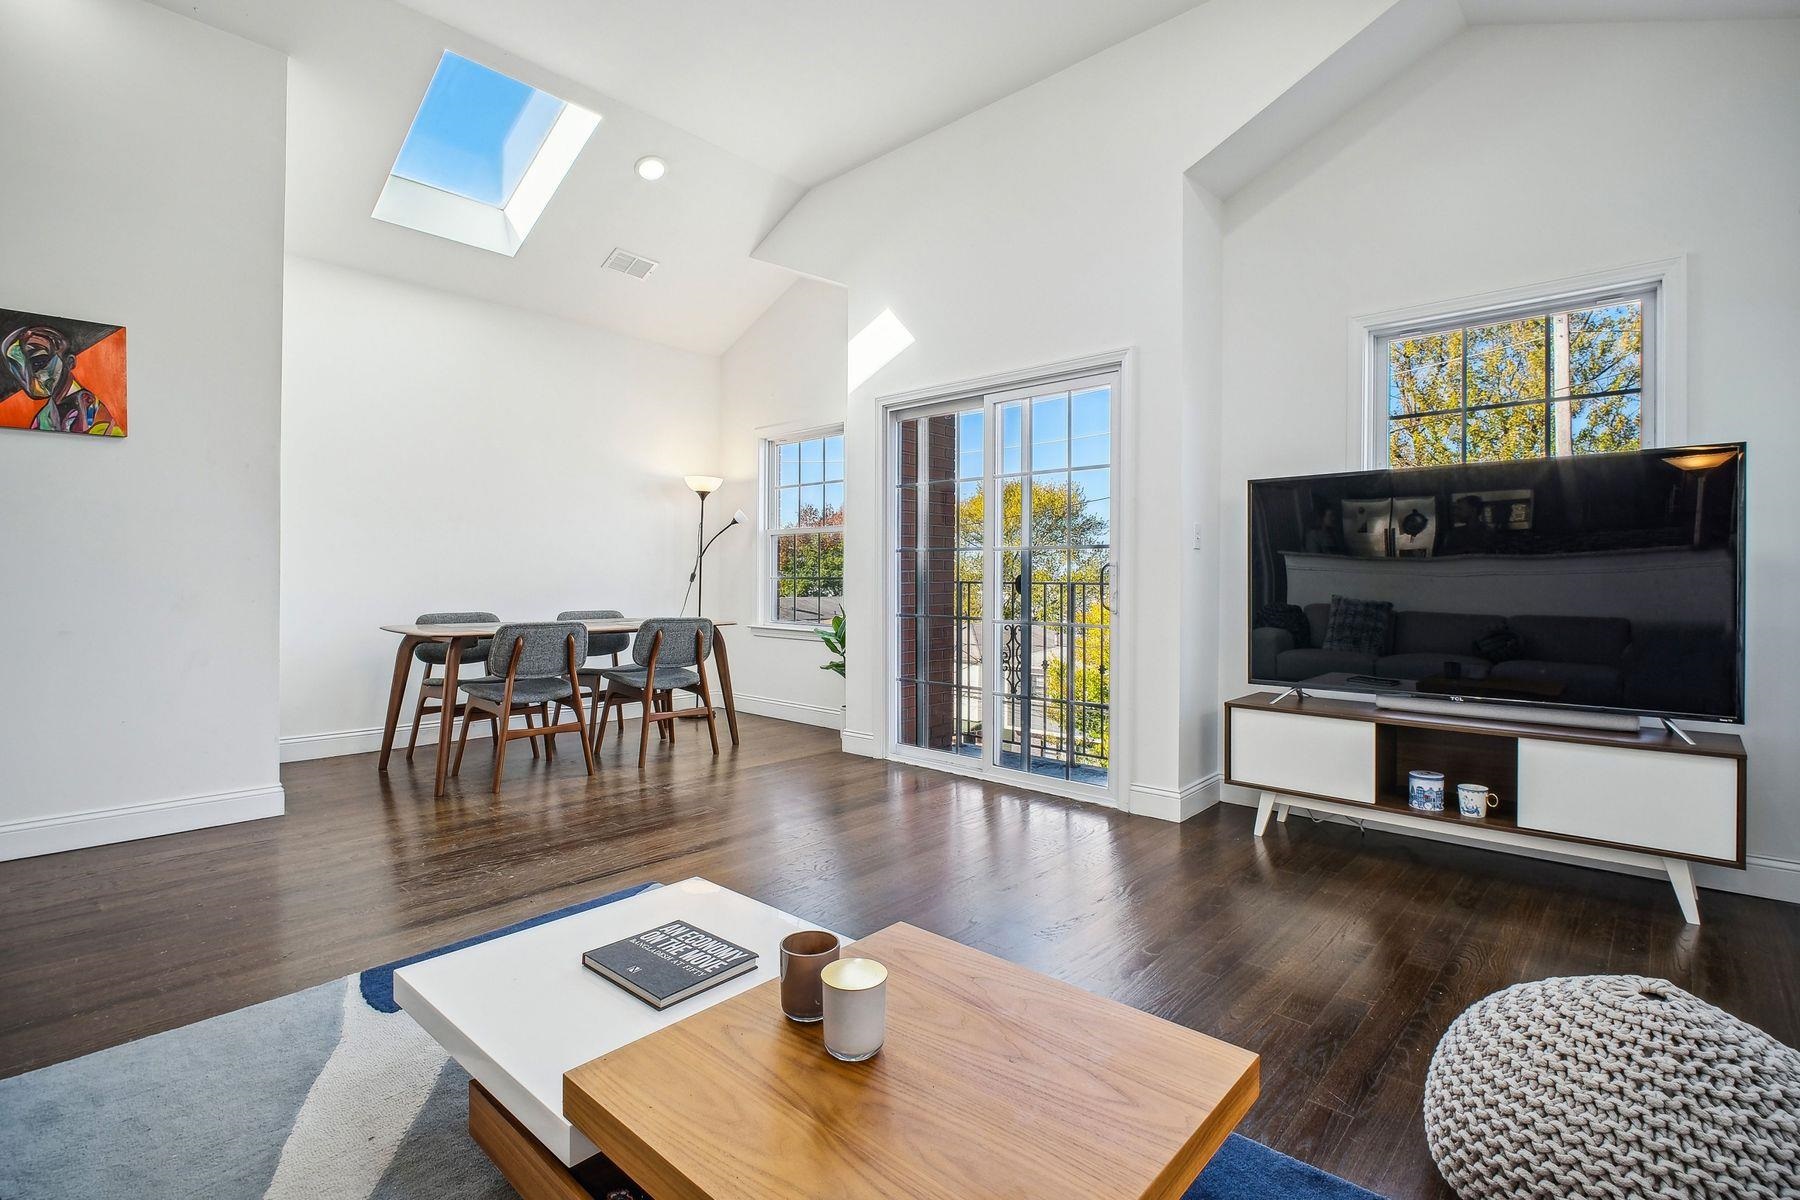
[1647, 798]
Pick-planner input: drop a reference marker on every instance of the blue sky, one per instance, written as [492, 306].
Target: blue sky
[476, 131]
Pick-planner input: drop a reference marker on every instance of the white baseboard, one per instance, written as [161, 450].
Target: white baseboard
[303, 746]
[1773, 878]
[854, 741]
[127, 823]
[1167, 804]
[1770, 878]
[788, 710]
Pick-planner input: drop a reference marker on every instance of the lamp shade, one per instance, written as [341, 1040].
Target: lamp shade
[703, 485]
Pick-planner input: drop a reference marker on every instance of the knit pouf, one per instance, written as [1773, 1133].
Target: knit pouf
[1611, 1086]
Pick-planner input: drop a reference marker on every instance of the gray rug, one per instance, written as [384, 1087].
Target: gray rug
[331, 1092]
[335, 1094]
[315, 1094]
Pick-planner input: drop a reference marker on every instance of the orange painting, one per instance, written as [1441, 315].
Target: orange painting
[59, 375]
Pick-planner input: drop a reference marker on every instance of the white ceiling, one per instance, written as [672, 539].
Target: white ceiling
[357, 70]
[805, 88]
[754, 101]
[1510, 12]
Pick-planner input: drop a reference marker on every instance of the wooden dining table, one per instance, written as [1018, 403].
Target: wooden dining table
[457, 637]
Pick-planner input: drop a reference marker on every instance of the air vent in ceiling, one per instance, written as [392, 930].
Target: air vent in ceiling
[634, 265]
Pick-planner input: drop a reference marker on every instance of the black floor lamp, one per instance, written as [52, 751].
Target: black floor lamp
[704, 486]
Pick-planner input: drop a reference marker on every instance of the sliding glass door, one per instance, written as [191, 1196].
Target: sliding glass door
[1002, 580]
[940, 485]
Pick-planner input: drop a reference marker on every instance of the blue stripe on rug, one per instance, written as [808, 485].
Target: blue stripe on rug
[1247, 1170]
[377, 983]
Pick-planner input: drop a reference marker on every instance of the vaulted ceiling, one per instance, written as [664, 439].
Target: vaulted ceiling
[357, 70]
[806, 88]
[751, 102]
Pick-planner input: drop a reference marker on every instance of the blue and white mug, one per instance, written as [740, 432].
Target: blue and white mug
[1474, 799]
[1425, 790]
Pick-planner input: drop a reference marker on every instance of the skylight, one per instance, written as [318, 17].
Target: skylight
[483, 156]
[476, 132]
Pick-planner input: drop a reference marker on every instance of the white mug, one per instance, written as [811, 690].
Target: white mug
[1474, 799]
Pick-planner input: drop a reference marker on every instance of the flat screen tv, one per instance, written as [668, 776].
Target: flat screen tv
[1610, 582]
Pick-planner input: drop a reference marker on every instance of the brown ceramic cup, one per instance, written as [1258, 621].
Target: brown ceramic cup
[803, 956]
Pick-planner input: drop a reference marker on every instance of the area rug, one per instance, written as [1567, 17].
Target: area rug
[334, 1093]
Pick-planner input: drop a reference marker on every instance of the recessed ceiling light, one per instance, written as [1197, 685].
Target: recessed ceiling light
[651, 167]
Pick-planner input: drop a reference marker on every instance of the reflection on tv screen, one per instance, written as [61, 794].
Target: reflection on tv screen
[1609, 581]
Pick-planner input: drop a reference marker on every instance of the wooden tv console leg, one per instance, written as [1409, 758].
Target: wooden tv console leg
[1281, 812]
[1681, 877]
[1265, 804]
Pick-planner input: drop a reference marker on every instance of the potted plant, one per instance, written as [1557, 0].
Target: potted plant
[834, 642]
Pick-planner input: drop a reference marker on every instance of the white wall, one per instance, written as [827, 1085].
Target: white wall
[440, 453]
[1538, 166]
[1046, 227]
[138, 575]
[785, 374]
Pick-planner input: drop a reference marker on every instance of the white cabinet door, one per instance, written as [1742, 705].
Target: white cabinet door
[1679, 804]
[1314, 756]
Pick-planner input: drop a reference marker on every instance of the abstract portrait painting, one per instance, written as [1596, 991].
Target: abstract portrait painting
[61, 376]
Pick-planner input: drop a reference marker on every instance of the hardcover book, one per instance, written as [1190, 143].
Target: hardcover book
[666, 965]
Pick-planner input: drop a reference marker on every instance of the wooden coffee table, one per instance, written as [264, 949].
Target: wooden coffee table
[518, 1011]
[995, 1081]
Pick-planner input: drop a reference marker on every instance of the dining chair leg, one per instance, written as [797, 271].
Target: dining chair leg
[532, 741]
[462, 740]
[668, 706]
[644, 733]
[500, 740]
[606, 708]
[587, 747]
[593, 714]
[549, 738]
[621, 707]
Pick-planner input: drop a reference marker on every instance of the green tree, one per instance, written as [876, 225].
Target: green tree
[1068, 587]
[809, 567]
[1606, 354]
[1542, 372]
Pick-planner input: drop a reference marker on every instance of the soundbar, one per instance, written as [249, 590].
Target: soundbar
[1524, 714]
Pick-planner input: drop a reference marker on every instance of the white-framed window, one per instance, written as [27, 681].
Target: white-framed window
[1562, 374]
[803, 506]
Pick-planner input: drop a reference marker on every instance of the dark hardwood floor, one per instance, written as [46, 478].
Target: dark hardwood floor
[1339, 956]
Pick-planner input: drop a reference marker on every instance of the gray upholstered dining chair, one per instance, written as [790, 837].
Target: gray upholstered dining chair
[530, 666]
[434, 655]
[670, 654]
[599, 645]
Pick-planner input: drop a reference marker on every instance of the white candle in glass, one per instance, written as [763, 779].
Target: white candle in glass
[855, 1008]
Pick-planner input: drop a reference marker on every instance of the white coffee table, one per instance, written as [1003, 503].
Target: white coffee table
[519, 1010]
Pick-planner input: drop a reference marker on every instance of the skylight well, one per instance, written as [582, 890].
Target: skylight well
[483, 157]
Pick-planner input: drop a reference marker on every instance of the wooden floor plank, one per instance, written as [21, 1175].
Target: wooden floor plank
[1339, 955]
